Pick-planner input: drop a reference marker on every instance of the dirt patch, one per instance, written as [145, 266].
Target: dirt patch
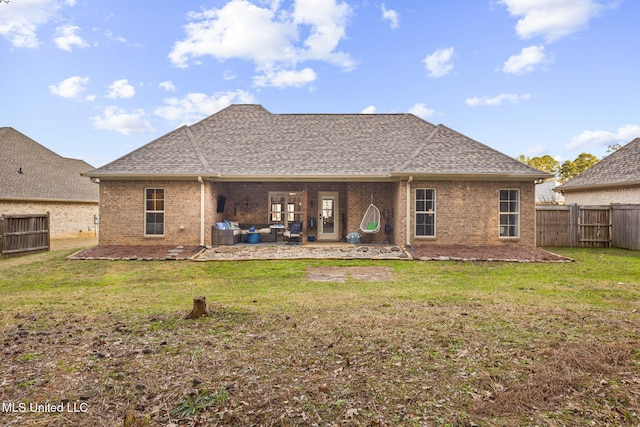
[393, 364]
[140, 252]
[80, 242]
[485, 253]
[341, 274]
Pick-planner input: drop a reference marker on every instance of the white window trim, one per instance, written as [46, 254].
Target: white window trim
[285, 212]
[164, 212]
[435, 215]
[517, 236]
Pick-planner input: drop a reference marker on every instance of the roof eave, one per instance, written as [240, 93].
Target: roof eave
[380, 177]
[48, 200]
[304, 178]
[148, 176]
[586, 187]
[473, 176]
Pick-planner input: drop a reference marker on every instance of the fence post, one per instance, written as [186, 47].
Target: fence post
[574, 227]
[1, 235]
[48, 225]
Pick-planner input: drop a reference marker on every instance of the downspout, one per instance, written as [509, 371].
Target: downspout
[201, 210]
[408, 198]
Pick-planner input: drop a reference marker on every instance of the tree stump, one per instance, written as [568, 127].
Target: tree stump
[199, 308]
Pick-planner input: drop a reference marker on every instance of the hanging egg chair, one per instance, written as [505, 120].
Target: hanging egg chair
[371, 220]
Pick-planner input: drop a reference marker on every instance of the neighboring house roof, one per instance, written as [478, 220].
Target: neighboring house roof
[545, 192]
[619, 169]
[29, 171]
[249, 142]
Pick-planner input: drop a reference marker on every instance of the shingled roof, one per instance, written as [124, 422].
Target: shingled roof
[29, 171]
[619, 169]
[249, 142]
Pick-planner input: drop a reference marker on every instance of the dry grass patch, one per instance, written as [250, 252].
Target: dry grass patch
[355, 363]
[341, 274]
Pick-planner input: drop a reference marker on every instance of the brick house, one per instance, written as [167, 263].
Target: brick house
[245, 164]
[35, 180]
[614, 179]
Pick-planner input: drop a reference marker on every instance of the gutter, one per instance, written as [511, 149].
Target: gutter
[26, 199]
[201, 210]
[562, 189]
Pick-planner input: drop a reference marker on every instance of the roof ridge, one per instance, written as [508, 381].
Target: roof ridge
[196, 147]
[422, 146]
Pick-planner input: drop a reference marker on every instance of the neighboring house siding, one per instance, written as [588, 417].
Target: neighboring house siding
[604, 196]
[467, 213]
[68, 220]
[122, 212]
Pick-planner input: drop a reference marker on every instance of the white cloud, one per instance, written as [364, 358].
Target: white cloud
[20, 20]
[601, 138]
[66, 38]
[119, 120]
[121, 89]
[526, 60]
[371, 109]
[195, 106]
[285, 78]
[71, 87]
[536, 150]
[551, 19]
[421, 110]
[327, 22]
[439, 64]
[391, 16]
[498, 100]
[268, 37]
[168, 86]
[228, 75]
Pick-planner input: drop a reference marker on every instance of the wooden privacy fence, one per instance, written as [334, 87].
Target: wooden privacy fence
[21, 234]
[588, 226]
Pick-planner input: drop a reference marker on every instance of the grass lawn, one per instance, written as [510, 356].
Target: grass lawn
[440, 343]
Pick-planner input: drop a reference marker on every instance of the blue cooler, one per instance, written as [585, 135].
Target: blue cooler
[253, 238]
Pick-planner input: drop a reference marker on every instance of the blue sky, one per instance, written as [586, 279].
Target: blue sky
[97, 79]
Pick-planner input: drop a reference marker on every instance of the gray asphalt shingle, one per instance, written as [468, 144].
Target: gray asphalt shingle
[619, 168]
[29, 171]
[249, 140]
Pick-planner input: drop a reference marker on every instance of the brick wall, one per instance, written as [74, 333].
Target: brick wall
[68, 220]
[360, 196]
[467, 212]
[122, 212]
[248, 203]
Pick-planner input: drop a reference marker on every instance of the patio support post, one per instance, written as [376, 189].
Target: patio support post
[305, 211]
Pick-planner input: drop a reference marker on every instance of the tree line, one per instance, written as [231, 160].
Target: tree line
[569, 168]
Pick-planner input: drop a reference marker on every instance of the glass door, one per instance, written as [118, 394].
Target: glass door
[328, 218]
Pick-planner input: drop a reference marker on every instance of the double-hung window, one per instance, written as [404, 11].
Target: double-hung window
[426, 212]
[154, 212]
[509, 213]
